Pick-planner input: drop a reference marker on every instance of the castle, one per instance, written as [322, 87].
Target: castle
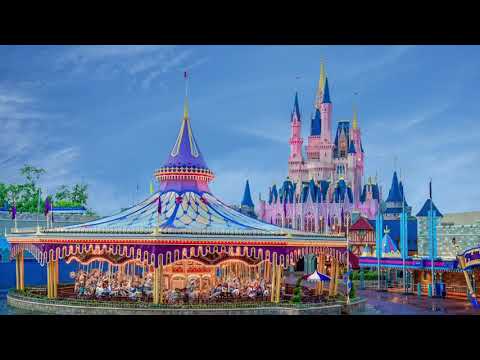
[324, 184]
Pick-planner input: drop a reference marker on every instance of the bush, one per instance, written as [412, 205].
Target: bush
[352, 292]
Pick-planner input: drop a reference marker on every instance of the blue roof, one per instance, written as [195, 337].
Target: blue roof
[376, 192]
[394, 226]
[326, 93]
[394, 194]
[341, 191]
[363, 195]
[316, 125]
[273, 195]
[426, 208]
[69, 208]
[324, 185]
[296, 108]
[247, 197]
[351, 148]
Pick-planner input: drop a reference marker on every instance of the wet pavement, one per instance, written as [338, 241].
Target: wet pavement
[387, 303]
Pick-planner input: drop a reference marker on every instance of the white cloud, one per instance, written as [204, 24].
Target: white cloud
[146, 62]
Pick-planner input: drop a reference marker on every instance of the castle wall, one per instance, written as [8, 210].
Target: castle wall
[465, 235]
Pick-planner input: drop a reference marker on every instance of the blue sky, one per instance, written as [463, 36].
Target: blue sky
[108, 115]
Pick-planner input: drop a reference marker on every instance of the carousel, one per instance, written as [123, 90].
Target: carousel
[181, 244]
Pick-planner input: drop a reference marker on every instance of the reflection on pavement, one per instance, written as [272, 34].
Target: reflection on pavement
[385, 303]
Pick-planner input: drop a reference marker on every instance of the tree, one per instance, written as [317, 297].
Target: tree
[3, 193]
[63, 194]
[31, 173]
[79, 194]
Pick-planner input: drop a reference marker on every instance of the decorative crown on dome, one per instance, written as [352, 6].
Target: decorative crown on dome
[185, 161]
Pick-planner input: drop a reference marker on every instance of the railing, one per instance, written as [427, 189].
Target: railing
[148, 305]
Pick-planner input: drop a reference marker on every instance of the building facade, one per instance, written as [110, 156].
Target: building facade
[324, 182]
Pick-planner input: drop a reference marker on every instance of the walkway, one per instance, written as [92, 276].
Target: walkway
[386, 303]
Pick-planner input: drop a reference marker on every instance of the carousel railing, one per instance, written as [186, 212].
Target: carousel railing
[40, 296]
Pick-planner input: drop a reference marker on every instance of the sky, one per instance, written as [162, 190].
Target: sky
[109, 115]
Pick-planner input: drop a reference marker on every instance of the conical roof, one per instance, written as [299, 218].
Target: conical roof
[394, 195]
[247, 197]
[426, 208]
[185, 152]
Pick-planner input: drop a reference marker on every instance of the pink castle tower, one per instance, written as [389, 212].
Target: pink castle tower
[295, 161]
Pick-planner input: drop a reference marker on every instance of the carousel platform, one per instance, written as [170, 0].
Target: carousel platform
[35, 302]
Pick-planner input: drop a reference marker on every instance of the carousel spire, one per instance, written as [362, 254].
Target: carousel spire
[185, 162]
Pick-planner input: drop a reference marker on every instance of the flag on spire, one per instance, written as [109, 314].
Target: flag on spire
[14, 211]
[152, 189]
[47, 206]
[185, 106]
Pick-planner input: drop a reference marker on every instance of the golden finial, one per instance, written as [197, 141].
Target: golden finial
[321, 81]
[185, 109]
[355, 119]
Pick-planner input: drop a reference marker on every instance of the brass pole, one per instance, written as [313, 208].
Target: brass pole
[332, 277]
[17, 271]
[49, 280]
[54, 279]
[321, 271]
[278, 283]
[337, 272]
[160, 283]
[272, 295]
[155, 294]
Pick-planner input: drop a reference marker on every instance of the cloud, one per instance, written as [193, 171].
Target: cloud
[392, 54]
[80, 55]
[274, 134]
[145, 62]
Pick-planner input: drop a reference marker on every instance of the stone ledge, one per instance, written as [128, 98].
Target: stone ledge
[28, 304]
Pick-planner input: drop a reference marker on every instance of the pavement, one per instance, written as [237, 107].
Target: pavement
[387, 303]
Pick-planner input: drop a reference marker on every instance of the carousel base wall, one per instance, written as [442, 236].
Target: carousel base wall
[29, 304]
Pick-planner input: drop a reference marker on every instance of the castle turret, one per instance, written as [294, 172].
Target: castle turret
[295, 160]
[326, 113]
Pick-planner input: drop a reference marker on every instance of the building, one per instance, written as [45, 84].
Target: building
[324, 182]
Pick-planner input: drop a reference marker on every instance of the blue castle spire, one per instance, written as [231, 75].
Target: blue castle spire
[247, 197]
[394, 195]
[296, 108]
[316, 128]
[326, 93]
[351, 148]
